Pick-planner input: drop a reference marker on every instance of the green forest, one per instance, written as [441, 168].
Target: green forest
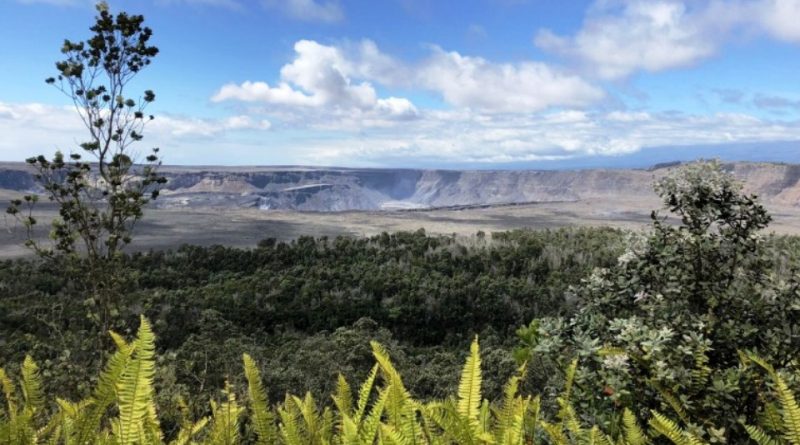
[686, 332]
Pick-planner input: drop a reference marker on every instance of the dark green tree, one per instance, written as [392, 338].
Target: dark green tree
[101, 189]
[663, 329]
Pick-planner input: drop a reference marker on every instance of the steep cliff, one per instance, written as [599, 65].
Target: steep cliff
[339, 189]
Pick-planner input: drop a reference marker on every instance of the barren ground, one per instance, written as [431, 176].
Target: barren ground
[169, 228]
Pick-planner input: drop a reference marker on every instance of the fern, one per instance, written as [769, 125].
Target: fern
[31, 386]
[87, 424]
[760, 436]
[135, 390]
[261, 415]
[663, 425]
[469, 388]
[633, 433]
[790, 410]
[225, 419]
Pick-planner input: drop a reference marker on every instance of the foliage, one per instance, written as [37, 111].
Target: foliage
[99, 201]
[100, 198]
[310, 308]
[123, 410]
[663, 328]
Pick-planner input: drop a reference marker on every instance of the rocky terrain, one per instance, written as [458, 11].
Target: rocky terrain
[239, 206]
[340, 189]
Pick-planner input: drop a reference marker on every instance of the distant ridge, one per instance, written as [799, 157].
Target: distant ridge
[324, 189]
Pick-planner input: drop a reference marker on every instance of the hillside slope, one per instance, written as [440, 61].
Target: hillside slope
[341, 189]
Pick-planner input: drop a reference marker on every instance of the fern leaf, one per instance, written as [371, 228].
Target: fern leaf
[572, 370]
[87, 424]
[633, 433]
[135, 388]
[289, 427]
[760, 436]
[789, 406]
[672, 431]
[555, 433]
[343, 399]
[263, 422]
[373, 420]
[225, 419]
[8, 392]
[188, 432]
[671, 400]
[32, 386]
[469, 388]
[791, 410]
[364, 393]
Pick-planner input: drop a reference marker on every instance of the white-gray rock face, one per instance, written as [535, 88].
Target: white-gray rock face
[338, 189]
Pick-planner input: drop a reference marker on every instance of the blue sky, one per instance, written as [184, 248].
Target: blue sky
[430, 83]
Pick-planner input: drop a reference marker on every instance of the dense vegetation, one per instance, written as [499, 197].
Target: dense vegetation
[668, 321]
[691, 329]
[309, 308]
[122, 410]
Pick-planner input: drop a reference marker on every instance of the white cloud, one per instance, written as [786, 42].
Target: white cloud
[621, 37]
[474, 82]
[618, 39]
[29, 129]
[781, 19]
[195, 127]
[321, 77]
[326, 11]
[436, 137]
[339, 77]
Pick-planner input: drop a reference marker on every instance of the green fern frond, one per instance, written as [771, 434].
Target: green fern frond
[672, 431]
[791, 410]
[770, 417]
[671, 400]
[382, 357]
[789, 407]
[290, 424]
[8, 393]
[225, 419]
[32, 386]
[104, 394]
[633, 433]
[364, 393]
[390, 436]
[186, 434]
[343, 399]
[372, 421]
[263, 421]
[760, 436]
[569, 378]
[701, 371]
[469, 388]
[135, 389]
[555, 433]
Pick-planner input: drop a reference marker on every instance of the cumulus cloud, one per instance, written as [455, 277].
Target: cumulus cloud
[321, 76]
[326, 11]
[445, 137]
[473, 82]
[780, 18]
[333, 77]
[31, 128]
[618, 39]
[435, 137]
[621, 37]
